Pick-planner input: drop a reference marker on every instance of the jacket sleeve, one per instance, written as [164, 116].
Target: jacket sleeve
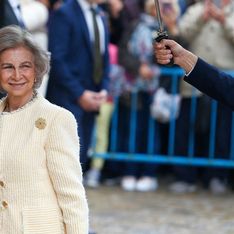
[60, 31]
[64, 169]
[212, 82]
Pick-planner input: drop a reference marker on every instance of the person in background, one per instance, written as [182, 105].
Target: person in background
[171, 13]
[131, 11]
[78, 40]
[184, 4]
[41, 176]
[205, 77]
[115, 88]
[103, 120]
[35, 14]
[114, 11]
[135, 55]
[205, 25]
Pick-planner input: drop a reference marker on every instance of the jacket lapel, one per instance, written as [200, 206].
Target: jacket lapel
[9, 15]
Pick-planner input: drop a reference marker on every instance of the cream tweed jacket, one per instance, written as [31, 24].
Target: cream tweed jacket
[41, 189]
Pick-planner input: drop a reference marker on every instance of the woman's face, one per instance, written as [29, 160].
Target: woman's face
[17, 72]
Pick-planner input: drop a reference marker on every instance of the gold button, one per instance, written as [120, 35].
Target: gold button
[2, 184]
[4, 204]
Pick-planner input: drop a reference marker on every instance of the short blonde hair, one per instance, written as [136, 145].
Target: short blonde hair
[13, 36]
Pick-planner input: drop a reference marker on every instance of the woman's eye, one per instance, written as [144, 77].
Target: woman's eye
[25, 66]
[7, 67]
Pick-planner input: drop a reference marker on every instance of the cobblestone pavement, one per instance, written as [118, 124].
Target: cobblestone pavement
[113, 211]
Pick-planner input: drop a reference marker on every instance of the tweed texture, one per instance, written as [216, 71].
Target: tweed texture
[41, 189]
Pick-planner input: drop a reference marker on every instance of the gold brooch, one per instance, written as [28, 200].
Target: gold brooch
[40, 123]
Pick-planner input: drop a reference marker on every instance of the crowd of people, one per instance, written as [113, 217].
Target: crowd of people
[198, 26]
[103, 49]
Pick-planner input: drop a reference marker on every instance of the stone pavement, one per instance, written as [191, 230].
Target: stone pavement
[113, 211]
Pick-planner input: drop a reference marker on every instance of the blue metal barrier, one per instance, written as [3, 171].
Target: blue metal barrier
[169, 158]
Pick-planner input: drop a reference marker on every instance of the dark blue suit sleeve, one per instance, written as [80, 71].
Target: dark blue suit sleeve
[212, 82]
[59, 46]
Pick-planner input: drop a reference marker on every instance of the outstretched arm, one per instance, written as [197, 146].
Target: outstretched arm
[208, 79]
[167, 49]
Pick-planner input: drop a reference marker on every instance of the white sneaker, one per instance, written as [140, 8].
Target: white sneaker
[128, 183]
[92, 178]
[146, 184]
[181, 187]
[217, 187]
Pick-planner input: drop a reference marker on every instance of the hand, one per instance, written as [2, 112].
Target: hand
[211, 11]
[217, 13]
[206, 13]
[91, 101]
[181, 56]
[103, 96]
[163, 54]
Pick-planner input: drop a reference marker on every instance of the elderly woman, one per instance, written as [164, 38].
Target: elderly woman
[41, 187]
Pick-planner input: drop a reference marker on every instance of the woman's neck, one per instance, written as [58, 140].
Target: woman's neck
[14, 103]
